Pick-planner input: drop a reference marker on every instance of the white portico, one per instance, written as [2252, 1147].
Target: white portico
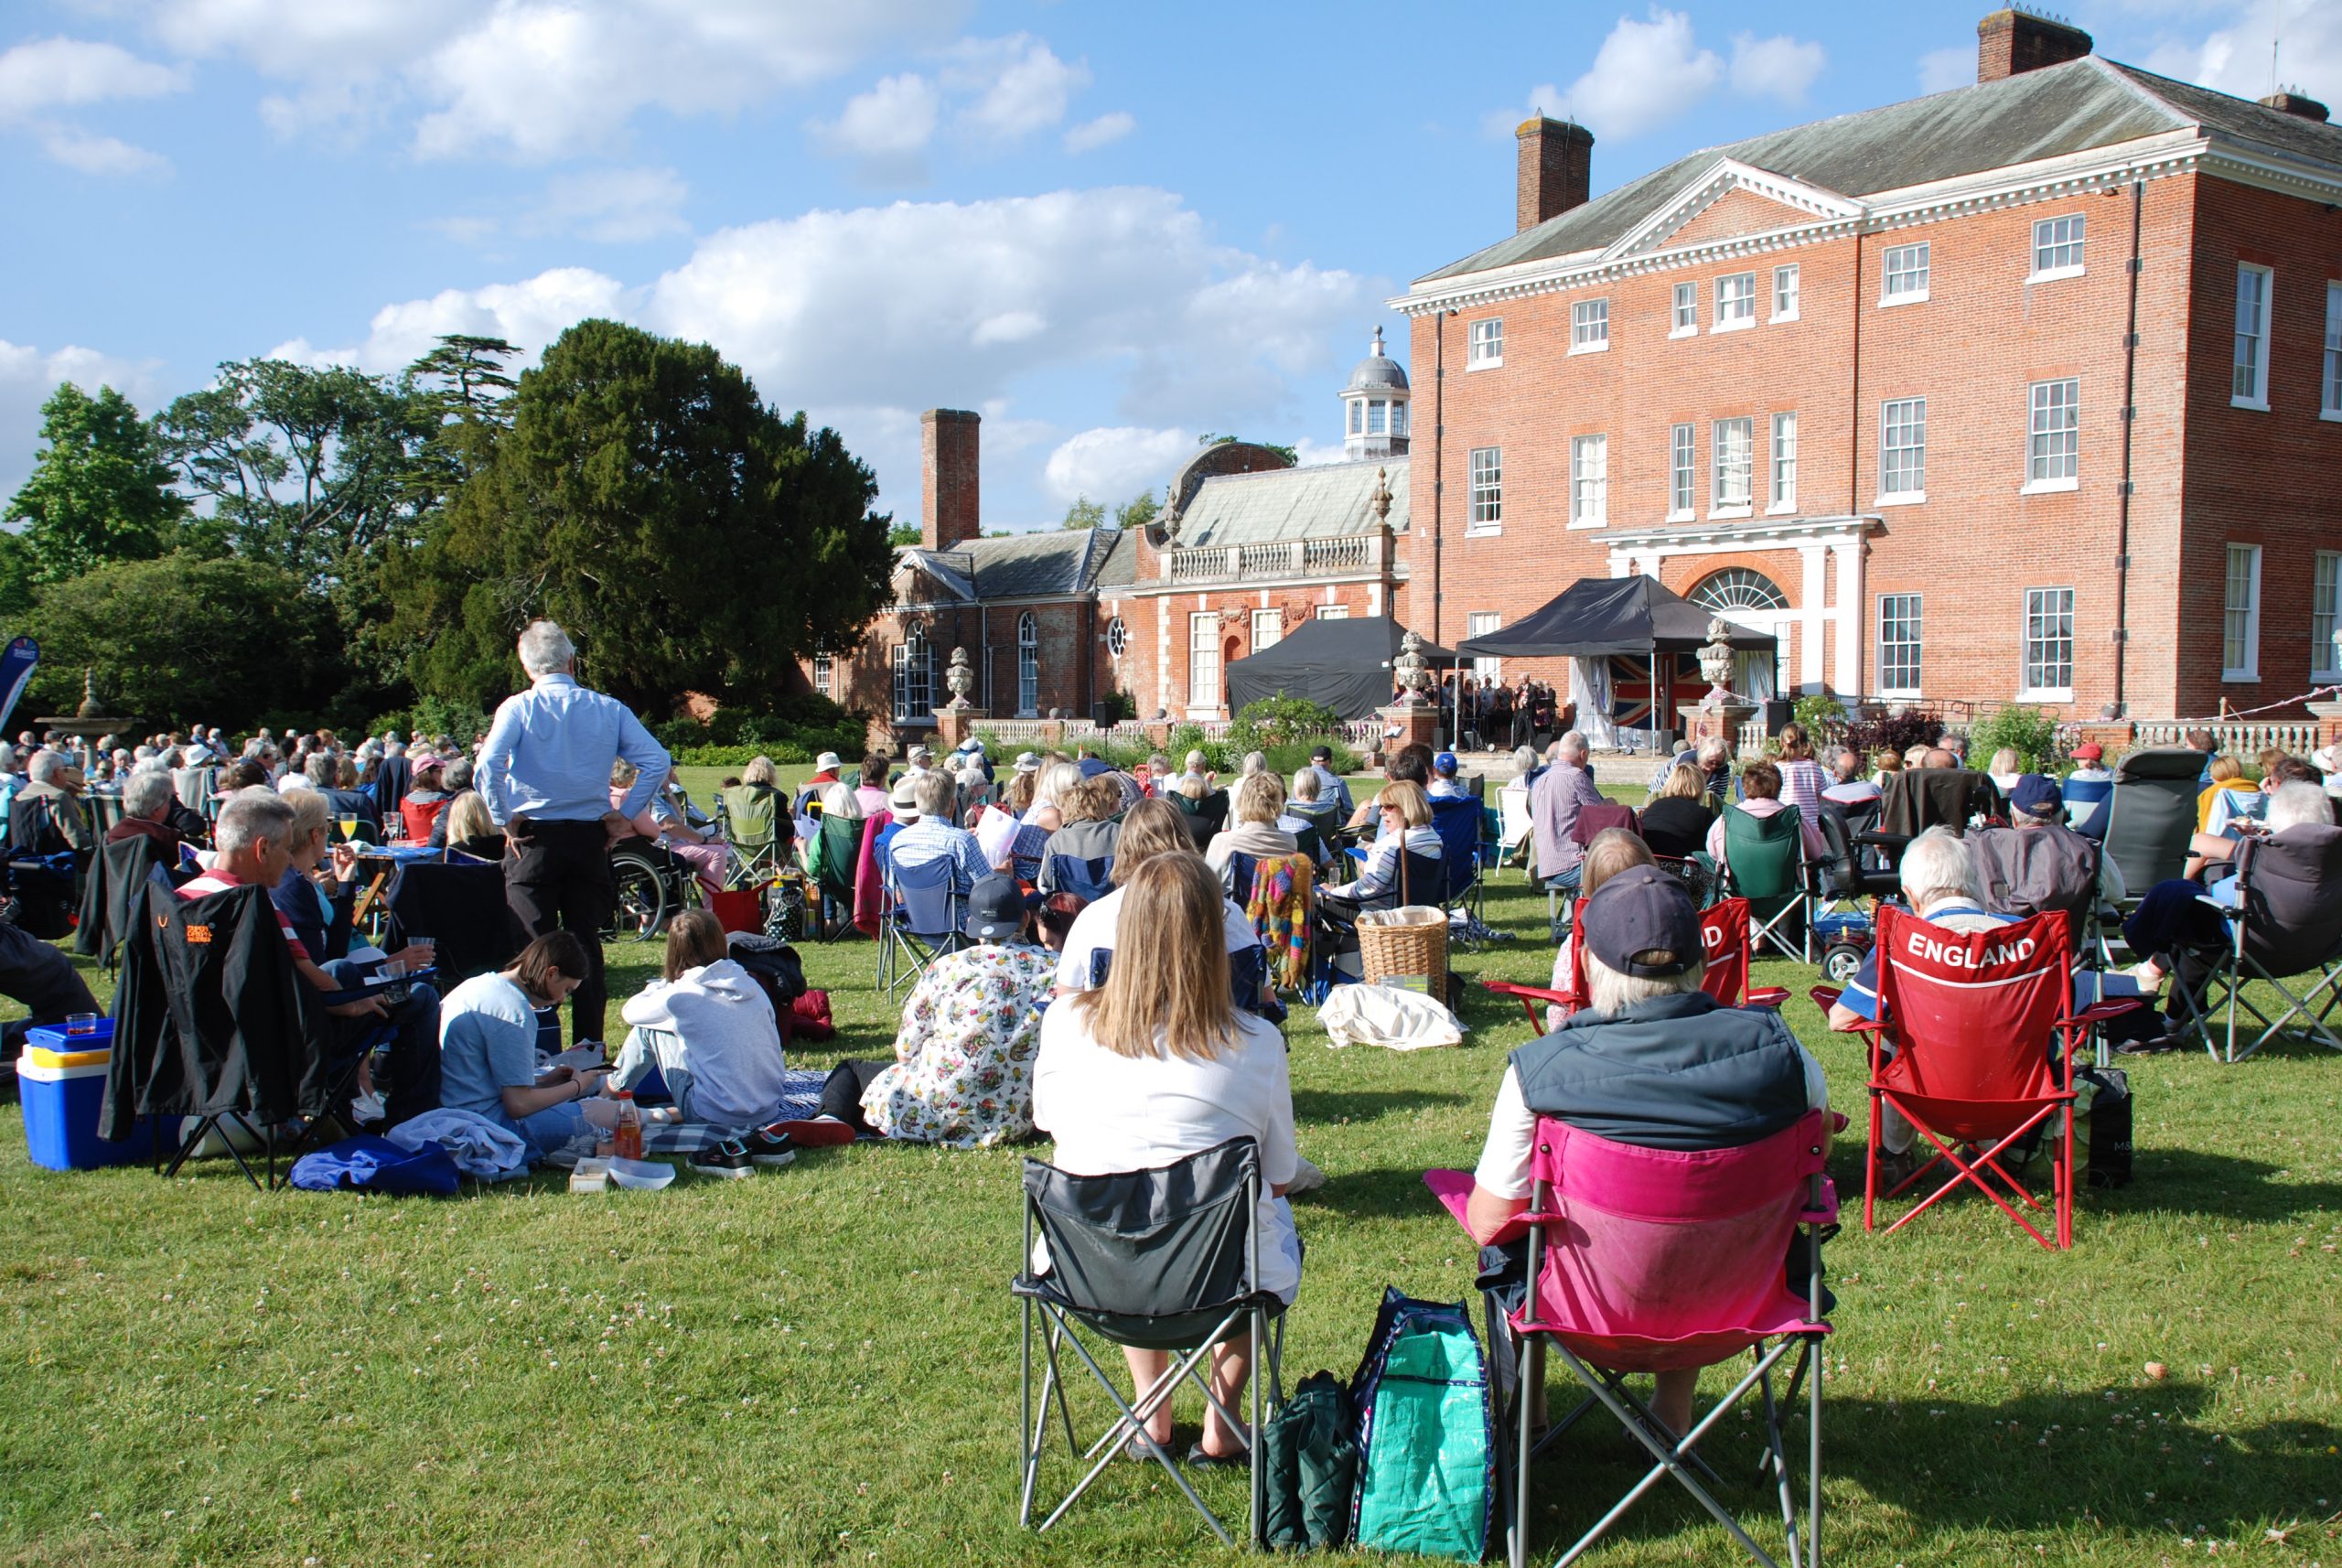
[1804, 585]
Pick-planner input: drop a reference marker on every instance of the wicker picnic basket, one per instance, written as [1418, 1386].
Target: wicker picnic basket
[1405, 943]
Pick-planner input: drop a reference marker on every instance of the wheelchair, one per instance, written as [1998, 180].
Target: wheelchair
[653, 886]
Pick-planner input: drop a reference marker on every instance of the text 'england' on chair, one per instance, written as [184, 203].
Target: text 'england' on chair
[1645, 1259]
[1162, 1259]
[1973, 1046]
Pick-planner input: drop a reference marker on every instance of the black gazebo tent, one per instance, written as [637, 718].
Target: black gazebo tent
[1598, 617]
[1344, 664]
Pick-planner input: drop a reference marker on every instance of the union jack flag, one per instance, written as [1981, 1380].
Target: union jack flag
[1630, 693]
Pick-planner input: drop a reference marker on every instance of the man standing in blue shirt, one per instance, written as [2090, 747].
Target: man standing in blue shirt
[544, 777]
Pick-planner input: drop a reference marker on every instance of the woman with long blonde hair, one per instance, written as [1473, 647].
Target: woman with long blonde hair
[1158, 1064]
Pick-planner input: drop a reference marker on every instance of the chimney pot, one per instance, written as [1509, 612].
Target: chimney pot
[949, 511]
[2010, 41]
[1556, 170]
[2291, 103]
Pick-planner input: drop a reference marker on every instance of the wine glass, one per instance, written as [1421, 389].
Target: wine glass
[349, 821]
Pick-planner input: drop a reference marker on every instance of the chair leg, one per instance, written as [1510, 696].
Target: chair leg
[1532, 1378]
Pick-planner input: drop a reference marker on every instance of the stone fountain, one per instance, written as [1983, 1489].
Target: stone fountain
[87, 722]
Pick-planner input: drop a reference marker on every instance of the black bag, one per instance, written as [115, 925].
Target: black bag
[774, 965]
[1310, 1457]
[2102, 1126]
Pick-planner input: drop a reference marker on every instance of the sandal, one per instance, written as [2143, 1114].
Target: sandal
[1202, 1459]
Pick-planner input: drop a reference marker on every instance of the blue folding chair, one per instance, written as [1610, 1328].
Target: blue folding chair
[1089, 880]
[918, 917]
[1461, 823]
[2085, 801]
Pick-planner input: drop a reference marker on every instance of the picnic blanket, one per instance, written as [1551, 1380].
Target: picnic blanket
[801, 1100]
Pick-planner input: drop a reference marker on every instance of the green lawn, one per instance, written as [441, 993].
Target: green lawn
[819, 1365]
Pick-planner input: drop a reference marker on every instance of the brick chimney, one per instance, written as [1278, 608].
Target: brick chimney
[2292, 102]
[2010, 41]
[949, 513]
[1556, 170]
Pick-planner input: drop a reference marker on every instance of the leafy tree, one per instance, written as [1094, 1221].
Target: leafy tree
[184, 638]
[1291, 455]
[901, 535]
[461, 386]
[100, 492]
[688, 536]
[1084, 513]
[1138, 512]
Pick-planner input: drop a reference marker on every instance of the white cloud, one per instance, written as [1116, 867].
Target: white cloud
[1094, 134]
[536, 79]
[888, 127]
[848, 314]
[528, 315]
[614, 206]
[1779, 68]
[1645, 74]
[1115, 462]
[1942, 70]
[53, 73]
[1649, 72]
[2235, 58]
[97, 155]
[1309, 453]
[60, 73]
[26, 378]
[1019, 83]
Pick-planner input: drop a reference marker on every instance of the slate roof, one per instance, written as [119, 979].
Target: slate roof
[2070, 108]
[1026, 565]
[1325, 500]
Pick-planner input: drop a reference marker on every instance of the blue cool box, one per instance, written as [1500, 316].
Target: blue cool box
[62, 1080]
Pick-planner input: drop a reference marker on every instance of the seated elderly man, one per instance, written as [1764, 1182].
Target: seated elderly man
[1565, 789]
[47, 818]
[1653, 1061]
[1848, 786]
[255, 836]
[2038, 863]
[148, 803]
[932, 836]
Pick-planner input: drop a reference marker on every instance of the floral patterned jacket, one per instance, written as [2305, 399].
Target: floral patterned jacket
[963, 1059]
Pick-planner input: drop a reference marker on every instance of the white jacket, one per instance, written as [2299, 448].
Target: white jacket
[731, 1043]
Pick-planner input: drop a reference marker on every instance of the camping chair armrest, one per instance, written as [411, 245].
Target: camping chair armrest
[1529, 995]
[1826, 996]
[2098, 1013]
[1874, 838]
[1767, 997]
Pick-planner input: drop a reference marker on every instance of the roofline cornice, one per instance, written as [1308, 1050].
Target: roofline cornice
[2148, 157]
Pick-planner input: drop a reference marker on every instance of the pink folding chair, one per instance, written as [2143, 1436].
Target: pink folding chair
[1659, 1259]
[1724, 933]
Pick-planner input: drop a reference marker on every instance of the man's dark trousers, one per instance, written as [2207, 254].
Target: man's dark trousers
[558, 876]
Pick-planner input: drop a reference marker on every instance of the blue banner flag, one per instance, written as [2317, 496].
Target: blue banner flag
[16, 667]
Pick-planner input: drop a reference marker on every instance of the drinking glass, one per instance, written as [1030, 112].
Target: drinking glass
[349, 821]
[81, 1023]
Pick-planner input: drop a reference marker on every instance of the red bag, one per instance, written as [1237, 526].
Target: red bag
[811, 1016]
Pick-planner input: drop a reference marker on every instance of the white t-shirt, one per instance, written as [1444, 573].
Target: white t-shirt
[1110, 1113]
[1512, 1130]
[1094, 931]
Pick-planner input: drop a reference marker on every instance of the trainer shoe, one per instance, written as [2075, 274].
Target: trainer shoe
[728, 1159]
[767, 1147]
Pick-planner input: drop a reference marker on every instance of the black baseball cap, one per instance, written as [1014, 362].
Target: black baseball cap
[1321, 754]
[1642, 909]
[997, 908]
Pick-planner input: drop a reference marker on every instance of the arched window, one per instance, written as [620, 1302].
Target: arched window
[914, 675]
[1738, 588]
[1028, 664]
[1118, 636]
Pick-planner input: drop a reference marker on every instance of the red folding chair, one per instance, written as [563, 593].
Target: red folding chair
[1973, 1046]
[1724, 933]
[1659, 1259]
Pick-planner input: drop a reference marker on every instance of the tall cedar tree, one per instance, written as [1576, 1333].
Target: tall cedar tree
[688, 537]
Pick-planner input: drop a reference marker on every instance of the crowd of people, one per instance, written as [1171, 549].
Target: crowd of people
[1111, 976]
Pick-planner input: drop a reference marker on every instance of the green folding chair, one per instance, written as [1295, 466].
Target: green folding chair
[753, 815]
[1764, 862]
[837, 854]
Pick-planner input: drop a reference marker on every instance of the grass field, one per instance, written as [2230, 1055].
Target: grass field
[819, 1365]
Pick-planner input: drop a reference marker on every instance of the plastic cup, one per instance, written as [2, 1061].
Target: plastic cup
[81, 1023]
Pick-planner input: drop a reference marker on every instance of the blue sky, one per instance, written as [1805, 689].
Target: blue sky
[1109, 227]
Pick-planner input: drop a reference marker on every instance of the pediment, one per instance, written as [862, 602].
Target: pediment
[1731, 198]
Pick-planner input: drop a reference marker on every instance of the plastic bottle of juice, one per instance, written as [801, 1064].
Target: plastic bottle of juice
[629, 1138]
